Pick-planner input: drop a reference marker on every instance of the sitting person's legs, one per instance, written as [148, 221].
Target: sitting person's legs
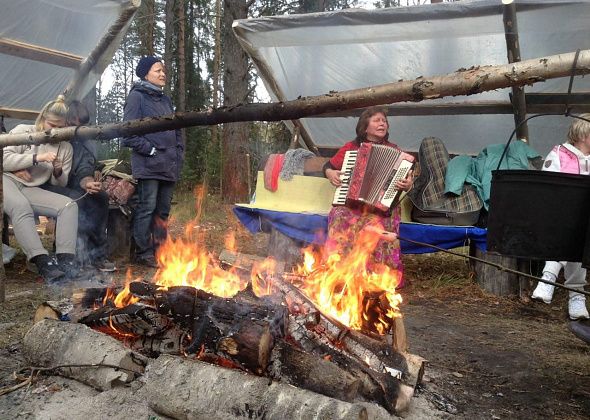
[50, 204]
[20, 212]
[93, 219]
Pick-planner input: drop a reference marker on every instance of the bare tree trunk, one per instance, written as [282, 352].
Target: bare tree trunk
[463, 82]
[146, 21]
[216, 77]
[181, 87]
[235, 89]
[168, 39]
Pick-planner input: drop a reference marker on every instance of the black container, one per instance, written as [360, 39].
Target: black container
[539, 215]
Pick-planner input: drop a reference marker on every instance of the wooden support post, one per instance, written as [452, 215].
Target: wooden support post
[2, 272]
[282, 248]
[492, 280]
[506, 283]
[513, 47]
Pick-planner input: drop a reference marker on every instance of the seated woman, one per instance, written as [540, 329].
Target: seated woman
[27, 167]
[93, 202]
[344, 222]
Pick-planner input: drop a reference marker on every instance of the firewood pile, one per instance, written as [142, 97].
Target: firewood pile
[282, 340]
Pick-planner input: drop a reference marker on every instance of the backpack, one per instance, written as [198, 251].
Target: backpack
[431, 204]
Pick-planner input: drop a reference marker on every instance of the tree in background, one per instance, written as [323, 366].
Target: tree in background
[184, 33]
[235, 91]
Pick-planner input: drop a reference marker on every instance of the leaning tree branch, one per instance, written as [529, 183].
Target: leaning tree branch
[462, 82]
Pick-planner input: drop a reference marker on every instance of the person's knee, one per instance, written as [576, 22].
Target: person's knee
[68, 211]
[18, 209]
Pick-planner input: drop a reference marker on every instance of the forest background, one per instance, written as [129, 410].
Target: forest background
[207, 68]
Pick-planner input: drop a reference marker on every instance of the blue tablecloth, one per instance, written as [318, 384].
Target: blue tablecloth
[312, 228]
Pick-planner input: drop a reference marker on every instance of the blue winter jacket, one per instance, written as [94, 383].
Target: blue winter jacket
[148, 100]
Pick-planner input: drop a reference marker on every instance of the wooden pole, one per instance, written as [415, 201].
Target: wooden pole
[71, 91]
[462, 82]
[513, 47]
[2, 271]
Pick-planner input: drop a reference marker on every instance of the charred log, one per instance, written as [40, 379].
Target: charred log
[373, 350]
[135, 319]
[251, 343]
[336, 375]
[243, 328]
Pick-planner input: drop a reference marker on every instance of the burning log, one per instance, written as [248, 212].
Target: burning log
[171, 341]
[337, 376]
[391, 394]
[184, 389]
[243, 328]
[51, 343]
[135, 319]
[245, 262]
[251, 344]
[376, 353]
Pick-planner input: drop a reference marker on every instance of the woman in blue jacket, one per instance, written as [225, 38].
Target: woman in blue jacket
[156, 160]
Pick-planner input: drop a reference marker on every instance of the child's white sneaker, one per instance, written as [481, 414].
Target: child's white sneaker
[577, 307]
[543, 292]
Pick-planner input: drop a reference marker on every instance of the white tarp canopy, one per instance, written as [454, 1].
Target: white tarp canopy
[313, 54]
[43, 43]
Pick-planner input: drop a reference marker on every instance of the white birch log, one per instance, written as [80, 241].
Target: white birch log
[51, 343]
[191, 389]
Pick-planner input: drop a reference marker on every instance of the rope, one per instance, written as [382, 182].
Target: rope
[496, 265]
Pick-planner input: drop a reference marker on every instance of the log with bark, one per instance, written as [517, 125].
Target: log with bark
[337, 376]
[378, 354]
[243, 328]
[190, 389]
[50, 343]
[462, 82]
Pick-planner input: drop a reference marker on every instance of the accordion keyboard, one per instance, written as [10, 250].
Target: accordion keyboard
[392, 192]
[347, 168]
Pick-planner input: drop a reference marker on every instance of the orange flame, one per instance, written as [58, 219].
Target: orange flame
[343, 287]
[124, 297]
[184, 262]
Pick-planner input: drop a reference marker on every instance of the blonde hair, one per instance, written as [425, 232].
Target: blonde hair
[579, 130]
[57, 108]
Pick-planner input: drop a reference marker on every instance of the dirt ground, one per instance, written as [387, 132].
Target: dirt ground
[488, 357]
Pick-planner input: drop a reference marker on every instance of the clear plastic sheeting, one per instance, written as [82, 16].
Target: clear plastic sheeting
[65, 27]
[313, 54]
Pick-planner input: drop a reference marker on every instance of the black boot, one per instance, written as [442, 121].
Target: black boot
[67, 264]
[48, 268]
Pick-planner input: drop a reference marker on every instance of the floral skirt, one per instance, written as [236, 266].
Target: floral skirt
[344, 225]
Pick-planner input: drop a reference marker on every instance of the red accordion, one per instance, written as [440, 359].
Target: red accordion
[369, 176]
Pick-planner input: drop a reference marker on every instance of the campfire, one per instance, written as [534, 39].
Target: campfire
[329, 326]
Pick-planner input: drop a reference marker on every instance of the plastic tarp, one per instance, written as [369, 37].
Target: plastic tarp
[312, 228]
[68, 26]
[313, 54]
